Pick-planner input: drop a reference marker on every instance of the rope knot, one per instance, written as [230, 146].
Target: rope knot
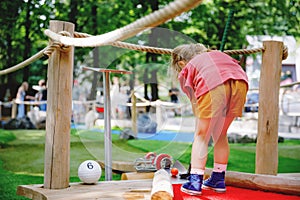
[285, 52]
[58, 45]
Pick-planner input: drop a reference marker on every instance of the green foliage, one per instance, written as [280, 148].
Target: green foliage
[22, 24]
[10, 181]
[5, 137]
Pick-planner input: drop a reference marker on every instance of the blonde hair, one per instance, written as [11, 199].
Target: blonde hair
[185, 53]
[25, 85]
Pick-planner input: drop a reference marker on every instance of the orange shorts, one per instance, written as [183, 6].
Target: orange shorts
[226, 100]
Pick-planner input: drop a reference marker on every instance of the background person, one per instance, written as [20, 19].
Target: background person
[173, 93]
[41, 95]
[21, 97]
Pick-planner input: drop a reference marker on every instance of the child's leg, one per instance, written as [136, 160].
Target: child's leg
[234, 102]
[202, 135]
[221, 154]
[221, 146]
[198, 156]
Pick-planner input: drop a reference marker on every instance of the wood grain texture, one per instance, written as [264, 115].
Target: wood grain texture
[268, 114]
[59, 110]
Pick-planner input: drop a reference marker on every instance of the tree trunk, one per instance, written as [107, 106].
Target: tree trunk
[27, 39]
[150, 57]
[146, 82]
[154, 85]
[92, 95]
[73, 12]
[7, 50]
[96, 64]
[10, 76]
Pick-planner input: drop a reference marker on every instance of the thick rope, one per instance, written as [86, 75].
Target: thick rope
[126, 45]
[142, 48]
[169, 51]
[285, 53]
[244, 51]
[256, 50]
[24, 63]
[163, 50]
[157, 50]
[47, 51]
[56, 45]
[152, 20]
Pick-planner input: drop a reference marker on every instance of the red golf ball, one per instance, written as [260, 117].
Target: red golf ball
[174, 171]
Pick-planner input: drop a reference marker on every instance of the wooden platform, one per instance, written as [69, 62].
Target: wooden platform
[127, 190]
[141, 189]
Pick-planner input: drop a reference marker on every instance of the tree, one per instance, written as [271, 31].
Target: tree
[8, 19]
[22, 24]
[150, 57]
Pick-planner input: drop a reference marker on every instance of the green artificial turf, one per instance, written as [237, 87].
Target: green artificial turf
[22, 155]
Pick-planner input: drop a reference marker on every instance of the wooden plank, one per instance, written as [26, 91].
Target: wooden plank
[141, 189]
[102, 190]
[268, 114]
[59, 110]
[290, 175]
[137, 175]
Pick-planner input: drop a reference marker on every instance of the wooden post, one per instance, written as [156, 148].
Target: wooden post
[134, 115]
[59, 110]
[14, 109]
[267, 137]
[159, 114]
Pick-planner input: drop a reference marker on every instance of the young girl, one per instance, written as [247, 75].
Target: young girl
[216, 86]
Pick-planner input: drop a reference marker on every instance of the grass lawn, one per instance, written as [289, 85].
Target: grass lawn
[22, 155]
[242, 156]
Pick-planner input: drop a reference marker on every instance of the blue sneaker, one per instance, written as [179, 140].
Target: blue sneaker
[193, 186]
[216, 182]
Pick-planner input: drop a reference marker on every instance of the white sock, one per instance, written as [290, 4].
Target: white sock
[197, 171]
[219, 167]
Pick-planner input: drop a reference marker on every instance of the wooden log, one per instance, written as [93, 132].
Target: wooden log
[269, 85]
[137, 175]
[271, 183]
[277, 184]
[59, 110]
[162, 188]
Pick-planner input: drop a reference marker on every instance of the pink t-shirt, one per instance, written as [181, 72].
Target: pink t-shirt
[207, 71]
